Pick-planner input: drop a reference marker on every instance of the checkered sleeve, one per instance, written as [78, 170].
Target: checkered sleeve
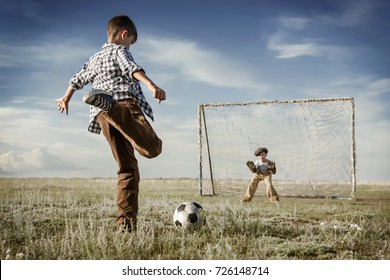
[80, 79]
[127, 64]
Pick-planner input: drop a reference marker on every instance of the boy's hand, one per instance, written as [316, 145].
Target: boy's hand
[64, 101]
[159, 94]
[251, 166]
[62, 104]
[272, 167]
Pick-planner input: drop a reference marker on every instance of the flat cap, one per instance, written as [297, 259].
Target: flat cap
[261, 150]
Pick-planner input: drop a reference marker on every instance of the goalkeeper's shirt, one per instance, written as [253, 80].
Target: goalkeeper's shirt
[261, 166]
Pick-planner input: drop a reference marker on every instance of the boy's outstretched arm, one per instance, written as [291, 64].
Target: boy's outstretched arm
[157, 92]
[64, 101]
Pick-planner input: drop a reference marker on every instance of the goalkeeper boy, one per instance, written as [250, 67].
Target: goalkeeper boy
[262, 170]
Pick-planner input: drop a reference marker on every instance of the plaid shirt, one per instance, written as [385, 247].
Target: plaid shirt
[111, 69]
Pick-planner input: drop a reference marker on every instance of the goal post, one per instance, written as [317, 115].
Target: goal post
[312, 142]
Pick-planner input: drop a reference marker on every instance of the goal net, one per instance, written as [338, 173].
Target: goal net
[312, 142]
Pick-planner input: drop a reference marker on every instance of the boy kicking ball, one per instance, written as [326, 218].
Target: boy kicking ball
[117, 108]
[262, 170]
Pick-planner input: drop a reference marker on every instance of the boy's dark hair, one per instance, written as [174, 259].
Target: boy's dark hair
[121, 22]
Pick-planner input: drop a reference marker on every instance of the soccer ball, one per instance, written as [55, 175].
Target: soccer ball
[189, 215]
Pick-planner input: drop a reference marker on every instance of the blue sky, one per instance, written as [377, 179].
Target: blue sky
[199, 52]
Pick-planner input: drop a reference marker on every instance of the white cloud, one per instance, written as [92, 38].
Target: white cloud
[351, 13]
[347, 14]
[49, 53]
[371, 110]
[194, 63]
[292, 50]
[35, 162]
[379, 87]
[295, 23]
[364, 89]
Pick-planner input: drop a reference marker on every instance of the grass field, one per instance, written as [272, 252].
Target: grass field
[45, 219]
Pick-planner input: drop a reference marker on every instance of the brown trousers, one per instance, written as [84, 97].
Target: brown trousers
[253, 184]
[126, 129]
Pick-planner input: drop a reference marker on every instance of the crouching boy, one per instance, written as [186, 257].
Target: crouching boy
[262, 170]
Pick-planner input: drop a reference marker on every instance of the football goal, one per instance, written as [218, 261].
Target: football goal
[312, 142]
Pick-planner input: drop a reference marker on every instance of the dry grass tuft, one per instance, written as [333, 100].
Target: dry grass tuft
[55, 218]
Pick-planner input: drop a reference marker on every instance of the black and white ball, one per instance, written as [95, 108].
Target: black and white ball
[189, 215]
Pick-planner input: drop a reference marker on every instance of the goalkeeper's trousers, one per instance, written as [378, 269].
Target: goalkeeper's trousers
[253, 184]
